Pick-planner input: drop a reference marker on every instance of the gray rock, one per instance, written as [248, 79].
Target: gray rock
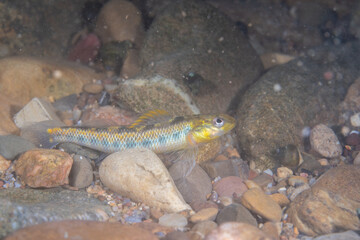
[221, 168]
[173, 220]
[324, 141]
[194, 186]
[66, 103]
[12, 145]
[289, 98]
[235, 213]
[73, 148]
[195, 44]
[81, 173]
[348, 235]
[24, 207]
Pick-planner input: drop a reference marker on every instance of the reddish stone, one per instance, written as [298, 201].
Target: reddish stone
[198, 205]
[44, 168]
[229, 185]
[86, 49]
[353, 139]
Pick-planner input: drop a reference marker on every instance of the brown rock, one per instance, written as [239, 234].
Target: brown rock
[237, 231]
[198, 205]
[272, 229]
[93, 88]
[235, 213]
[4, 164]
[352, 99]
[258, 202]
[280, 199]
[229, 185]
[89, 230]
[81, 174]
[284, 172]
[263, 180]
[44, 168]
[297, 181]
[222, 169]
[324, 141]
[23, 78]
[206, 214]
[330, 204]
[201, 229]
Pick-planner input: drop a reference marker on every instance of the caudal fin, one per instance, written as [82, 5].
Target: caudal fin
[37, 133]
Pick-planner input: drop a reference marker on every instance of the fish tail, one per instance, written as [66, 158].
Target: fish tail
[38, 134]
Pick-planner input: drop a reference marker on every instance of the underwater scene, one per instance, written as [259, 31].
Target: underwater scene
[180, 119]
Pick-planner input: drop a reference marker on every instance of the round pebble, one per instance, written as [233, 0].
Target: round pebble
[355, 120]
[324, 141]
[173, 220]
[93, 88]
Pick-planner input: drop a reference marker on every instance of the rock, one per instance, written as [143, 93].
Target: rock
[37, 110]
[295, 192]
[330, 204]
[72, 148]
[209, 151]
[199, 205]
[81, 174]
[272, 229]
[352, 98]
[297, 181]
[174, 220]
[20, 208]
[176, 235]
[90, 230]
[355, 120]
[270, 60]
[195, 186]
[236, 231]
[85, 49]
[120, 20]
[235, 213]
[4, 164]
[24, 78]
[221, 168]
[206, 214]
[143, 94]
[263, 180]
[280, 199]
[107, 116]
[11, 146]
[353, 139]
[258, 202]
[348, 235]
[44, 168]
[284, 172]
[309, 163]
[324, 141]
[197, 63]
[141, 175]
[201, 229]
[93, 88]
[229, 186]
[66, 103]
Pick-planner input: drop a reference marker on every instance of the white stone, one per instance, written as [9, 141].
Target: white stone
[141, 175]
[355, 120]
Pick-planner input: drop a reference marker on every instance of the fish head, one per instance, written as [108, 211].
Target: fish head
[209, 127]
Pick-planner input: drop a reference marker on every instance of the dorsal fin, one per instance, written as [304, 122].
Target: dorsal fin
[151, 117]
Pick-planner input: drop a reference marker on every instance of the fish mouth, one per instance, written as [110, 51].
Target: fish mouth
[230, 122]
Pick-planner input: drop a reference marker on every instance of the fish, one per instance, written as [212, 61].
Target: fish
[155, 130]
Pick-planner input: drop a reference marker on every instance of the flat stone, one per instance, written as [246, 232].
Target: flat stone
[324, 141]
[44, 168]
[263, 180]
[198, 205]
[173, 220]
[272, 229]
[201, 229]
[258, 202]
[81, 174]
[221, 168]
[77, 229]
[93, 88]
[284, 172]
[229, 185]
[297, 181]
[206, 214]
[238, 231]
[11, 146]
[141, 175]
[280, 199]
[236, 213]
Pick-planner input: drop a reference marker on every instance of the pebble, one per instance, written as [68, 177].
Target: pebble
[198, 205]
[293, 194]
[81, 174]
[258, 202]
[230, 185]
[173, 220]
[251, 184]
[201, 229]
[222, 168]
[324, 141]
[235, 213]
[11, 146]
[353, 139]
[355, 120]
[206, 214]
[44, 168]
[263, 180]
[284, 172]
[280, 199]
[323, 162]
[142, 176]
[66, 103]
[93, 88]
[238, 231]
[176, 235]
[272, 229]
[297, 181]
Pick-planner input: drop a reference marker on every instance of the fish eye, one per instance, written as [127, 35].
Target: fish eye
[218, 122]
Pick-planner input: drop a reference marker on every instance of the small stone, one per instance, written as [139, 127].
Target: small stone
[66, 103]
[298, 190]
[11, 146]
[176, 235]
[230, 185]
[353, 139]
[4, 164]
[281, 199]
[206, 214]
[81, 174]
[324, 141]
[355, 120]
[173, 220]
[226, 201]
[235, 213]
[272, 229]
[284, 172]
[258, 202]
[263, 180]
[270, 60]
[251, 184]
[198, 205]
[232, 152]
[37, 110]
[44, 168]
[323, 162]
[221, 169]
[93, 88]
[201, 229]
[156, 213]
[142, 176]
[297, 181]
[238, 231]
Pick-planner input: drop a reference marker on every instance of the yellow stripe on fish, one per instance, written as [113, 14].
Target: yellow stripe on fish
[154, 130]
